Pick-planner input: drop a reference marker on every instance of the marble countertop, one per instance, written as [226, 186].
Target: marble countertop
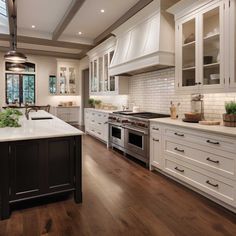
[101, 110]
[218, 129]
[38, 129]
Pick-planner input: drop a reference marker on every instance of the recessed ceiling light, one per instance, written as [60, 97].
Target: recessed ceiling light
[33, 26]
[80, 33]
[102, 10]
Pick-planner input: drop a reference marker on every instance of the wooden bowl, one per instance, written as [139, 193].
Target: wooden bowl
[191, 116]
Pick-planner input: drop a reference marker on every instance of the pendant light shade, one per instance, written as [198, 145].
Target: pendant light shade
[16, 67]
[12, 55]
[15, 57]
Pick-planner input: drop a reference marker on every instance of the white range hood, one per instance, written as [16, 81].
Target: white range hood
[145, 42]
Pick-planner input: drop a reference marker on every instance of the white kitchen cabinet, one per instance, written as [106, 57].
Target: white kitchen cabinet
[96, 124]
[232, 42]
[200, 159]
[67, 77]
[155, 147]
[101, 83]
[202, 49]
[68, 114]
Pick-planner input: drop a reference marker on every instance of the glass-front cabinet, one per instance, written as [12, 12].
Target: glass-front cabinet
[101, 82]
[201, 47]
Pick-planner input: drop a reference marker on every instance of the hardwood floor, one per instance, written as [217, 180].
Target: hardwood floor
[121, 197]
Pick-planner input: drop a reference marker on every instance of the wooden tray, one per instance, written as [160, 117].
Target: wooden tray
[209, 122]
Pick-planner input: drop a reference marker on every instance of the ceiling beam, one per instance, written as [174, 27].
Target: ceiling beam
[70, 13]
[47, 42]
[44, 53]
[131, 12]
[11, 9]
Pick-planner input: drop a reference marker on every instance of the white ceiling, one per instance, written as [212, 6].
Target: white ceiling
[91, 22]
[46, 14]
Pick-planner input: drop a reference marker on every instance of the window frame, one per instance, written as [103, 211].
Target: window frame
[21, 92]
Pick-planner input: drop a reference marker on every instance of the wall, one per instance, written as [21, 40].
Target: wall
[154, 91]
[45, 66]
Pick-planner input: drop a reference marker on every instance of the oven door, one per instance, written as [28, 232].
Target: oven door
[136, 141]
[116, 135]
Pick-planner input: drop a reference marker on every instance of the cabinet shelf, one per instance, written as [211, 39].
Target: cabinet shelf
[211, 65]
[212, 37]
[189, 44]
[188, 68]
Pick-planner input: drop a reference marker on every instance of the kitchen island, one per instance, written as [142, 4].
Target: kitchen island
[38, 159]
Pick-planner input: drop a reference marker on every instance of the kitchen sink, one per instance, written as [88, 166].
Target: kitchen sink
[41, 118]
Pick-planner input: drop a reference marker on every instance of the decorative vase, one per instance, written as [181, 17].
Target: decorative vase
[229, 120]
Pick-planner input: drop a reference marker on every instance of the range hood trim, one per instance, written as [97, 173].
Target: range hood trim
[153, 49]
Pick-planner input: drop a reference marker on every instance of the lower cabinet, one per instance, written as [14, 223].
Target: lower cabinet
[68, 114]
[96, 124]
[37, 168]
[204, 161]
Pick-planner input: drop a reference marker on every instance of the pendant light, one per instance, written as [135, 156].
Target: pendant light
[14, 56]
[16, 67]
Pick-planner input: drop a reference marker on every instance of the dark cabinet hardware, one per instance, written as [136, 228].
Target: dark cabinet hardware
[212, 142]
[155, 128]
[213, 185]
[209, 159]
[155, 140]
[180, 135]
[176, 168]
[179, 150]
[99, 123]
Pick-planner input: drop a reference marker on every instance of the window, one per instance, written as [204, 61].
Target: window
[20, 87]
[3, 8]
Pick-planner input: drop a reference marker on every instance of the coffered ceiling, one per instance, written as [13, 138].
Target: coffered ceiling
[68, 26]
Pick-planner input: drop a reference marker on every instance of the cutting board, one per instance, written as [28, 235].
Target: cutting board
[209, 122]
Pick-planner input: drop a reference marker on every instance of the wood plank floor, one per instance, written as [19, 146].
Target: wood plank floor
[121, 197]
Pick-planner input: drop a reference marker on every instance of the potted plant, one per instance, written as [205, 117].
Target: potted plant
[229, 117]
[91, 102]
[97, 104]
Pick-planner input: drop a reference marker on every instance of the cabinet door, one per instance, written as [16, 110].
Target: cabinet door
[187, 57]
[232, 45]
[74, 115]
[106, 64]
[94, 76]
[60, 164]
[27, 172]
[100, 75]
[155, 151]
[112, 79]
[212, 49]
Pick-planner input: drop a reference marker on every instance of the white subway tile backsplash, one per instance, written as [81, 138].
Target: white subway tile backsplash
[154, 91]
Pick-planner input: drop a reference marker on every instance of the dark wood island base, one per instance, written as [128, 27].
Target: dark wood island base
[39, 168]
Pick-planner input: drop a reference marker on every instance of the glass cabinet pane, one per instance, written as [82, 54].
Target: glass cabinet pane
[100, 71]
[112, 80]
[188, 53]
[106, 72]
[95, 75]
[211, 47]
[52, 84]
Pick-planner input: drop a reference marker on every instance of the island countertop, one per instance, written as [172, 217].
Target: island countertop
[38, 129]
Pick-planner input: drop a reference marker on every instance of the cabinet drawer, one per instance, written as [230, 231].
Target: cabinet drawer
[155, 129]
[206, 139]
[223, 190]
[223, 165]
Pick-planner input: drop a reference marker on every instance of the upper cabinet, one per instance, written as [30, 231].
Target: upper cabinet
[67, 81]
[101, 82]
[203, 57]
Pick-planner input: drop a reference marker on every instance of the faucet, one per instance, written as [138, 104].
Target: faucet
[28, 110]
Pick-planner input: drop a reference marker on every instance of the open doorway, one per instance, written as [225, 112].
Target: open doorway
[84, 93]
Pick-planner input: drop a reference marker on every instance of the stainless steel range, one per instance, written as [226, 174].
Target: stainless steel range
[129, 132]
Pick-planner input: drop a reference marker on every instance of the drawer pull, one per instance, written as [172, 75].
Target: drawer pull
[99, 133]
[209, 159]
[155, 140]
[179, 150]
[176, 168]
[99, 123]
[180, 135]
[213, 185]
[211, 142]
[155, 128]
[105, 122]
